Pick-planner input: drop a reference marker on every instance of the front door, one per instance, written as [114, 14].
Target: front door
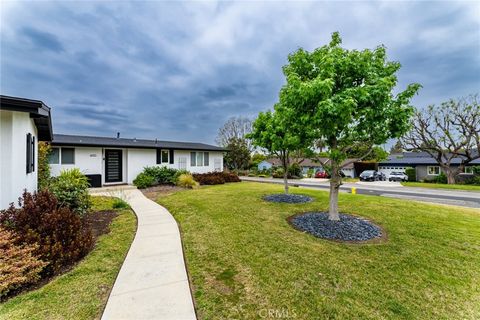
[113, 166]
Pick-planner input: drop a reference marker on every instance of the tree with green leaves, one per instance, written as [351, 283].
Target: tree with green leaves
[238, 155]
[280, 134]
[344, 98]
[397, 147]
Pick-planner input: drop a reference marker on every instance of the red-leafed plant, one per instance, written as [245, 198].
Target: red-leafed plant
[62, 236]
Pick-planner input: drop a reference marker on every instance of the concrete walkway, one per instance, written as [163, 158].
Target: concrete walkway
[153, 282]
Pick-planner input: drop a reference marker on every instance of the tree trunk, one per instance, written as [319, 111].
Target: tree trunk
[451, 174]
[285, 170]
[335, 182]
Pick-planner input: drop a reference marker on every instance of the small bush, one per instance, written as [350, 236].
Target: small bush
[178, 173]
[19, 266]
[44, 176]
[212, 178]
[294, 171]
[144, 180]
[71, 190]
[186, 181]
[441, 178]
[62, 235]
[120, 204]
[278, 173]
[411, 173]
[162, 175]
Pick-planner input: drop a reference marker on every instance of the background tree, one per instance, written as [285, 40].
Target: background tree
[235, 128]
[279, 134]
[344, 98]
[368, 153]
[448, 132]
[238, 155]
[397, 147]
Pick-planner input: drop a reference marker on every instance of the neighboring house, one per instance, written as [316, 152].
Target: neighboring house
[23, 123]
[308, 164]
[425, 166]
[118, 160]
[264, 165]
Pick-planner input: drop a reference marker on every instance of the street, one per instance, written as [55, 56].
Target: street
[469, 199]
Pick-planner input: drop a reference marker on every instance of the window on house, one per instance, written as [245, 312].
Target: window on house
[54, 156]
[468, 170]
[68, 156]
[165, 156]
[30, 161]
[433, 170]
[199, 159]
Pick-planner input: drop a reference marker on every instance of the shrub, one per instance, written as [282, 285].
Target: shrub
[186, 181]
[62, 236]
[212, 178]
[278, 173]
[162, 175]
[294, 171]
[441, 178]
[411, 173]
[178, 173]
[310, 173]
[19, 266]
[120, 204]
[43, 165]
[71, 190]
[144, 180]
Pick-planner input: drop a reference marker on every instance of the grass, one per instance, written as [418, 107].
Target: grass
[347, 179]
[245, 261]
[467, 187]
[82, 292]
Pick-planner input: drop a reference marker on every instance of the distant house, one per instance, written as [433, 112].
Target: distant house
[307, 164]
[108, 161]
[23, 122]
[425, 166]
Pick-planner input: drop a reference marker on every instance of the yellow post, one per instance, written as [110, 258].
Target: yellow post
[354, 190]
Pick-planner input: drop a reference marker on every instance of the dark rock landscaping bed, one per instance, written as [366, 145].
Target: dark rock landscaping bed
[287, 198]
[349, 228]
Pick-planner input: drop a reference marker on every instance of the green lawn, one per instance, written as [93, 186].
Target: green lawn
[442, 186]
[245, 260]
[82, 292]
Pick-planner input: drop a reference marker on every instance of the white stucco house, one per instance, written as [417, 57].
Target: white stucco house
[23, 122]
[107, 161]
[104, 160]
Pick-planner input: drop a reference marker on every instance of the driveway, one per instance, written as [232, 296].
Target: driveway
[469, 199]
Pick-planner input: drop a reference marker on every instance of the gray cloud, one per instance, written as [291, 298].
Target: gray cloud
[178, 70]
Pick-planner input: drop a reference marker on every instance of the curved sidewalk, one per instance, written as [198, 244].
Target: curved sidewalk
[153, 282]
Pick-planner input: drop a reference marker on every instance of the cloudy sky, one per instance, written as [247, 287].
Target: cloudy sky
[177, 71]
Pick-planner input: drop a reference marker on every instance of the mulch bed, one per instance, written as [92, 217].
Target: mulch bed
[153, 193]
[350, 228]
[287, 198]
[99, 221]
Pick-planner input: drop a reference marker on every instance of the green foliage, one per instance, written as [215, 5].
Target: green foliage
[441, 178]
[238, 154]
[162, 175]
[144, 180]
[71, 190]
[120, 204]
[367, 153]
[62, 236]
[310, 173]
[278, 172]
[397, 147]
[412, 174]
[186, 181]
[256, 159]
[345, 97]
[43, 165]
[294, 171]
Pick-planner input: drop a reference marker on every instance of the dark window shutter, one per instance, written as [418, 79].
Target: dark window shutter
[29, 150]
[159, 156]
[171, 156]
[33, 154]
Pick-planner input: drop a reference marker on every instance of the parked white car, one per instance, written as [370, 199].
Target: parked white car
[397, 176]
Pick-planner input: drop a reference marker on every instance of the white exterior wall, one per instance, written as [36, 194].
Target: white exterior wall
[14, 127]
[92, 161]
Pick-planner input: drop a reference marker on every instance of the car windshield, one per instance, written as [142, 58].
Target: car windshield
[395, 173]
[368, 172]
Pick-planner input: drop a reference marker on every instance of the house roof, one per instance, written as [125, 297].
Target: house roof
[305, 162]
[90, 141]
[416, 158]
[39, 112]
